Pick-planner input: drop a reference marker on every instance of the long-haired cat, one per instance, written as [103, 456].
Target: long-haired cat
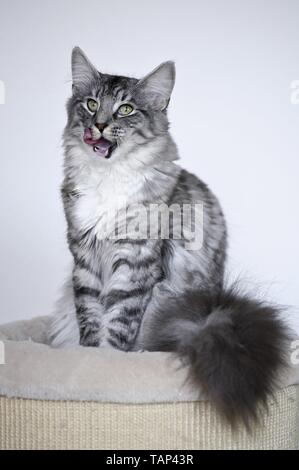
[154, 293]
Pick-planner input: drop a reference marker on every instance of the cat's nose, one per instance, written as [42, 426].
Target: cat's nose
[101, 125]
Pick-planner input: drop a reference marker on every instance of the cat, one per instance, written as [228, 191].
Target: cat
[155, 294]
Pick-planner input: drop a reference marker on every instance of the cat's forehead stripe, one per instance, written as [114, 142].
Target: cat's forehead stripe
[118, 93]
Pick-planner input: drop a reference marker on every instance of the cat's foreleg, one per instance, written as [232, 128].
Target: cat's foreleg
[135, 271]
[89, 310]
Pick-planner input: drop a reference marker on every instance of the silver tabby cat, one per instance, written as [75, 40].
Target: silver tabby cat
[150, 293]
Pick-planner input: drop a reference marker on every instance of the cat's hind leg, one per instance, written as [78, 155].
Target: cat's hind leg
[64, 330]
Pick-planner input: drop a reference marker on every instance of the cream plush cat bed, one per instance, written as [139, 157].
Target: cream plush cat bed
[88, 398]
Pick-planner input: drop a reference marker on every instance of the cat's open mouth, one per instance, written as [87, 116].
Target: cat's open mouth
[101, 147]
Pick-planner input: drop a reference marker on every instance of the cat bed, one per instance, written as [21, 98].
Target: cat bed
[89, 398]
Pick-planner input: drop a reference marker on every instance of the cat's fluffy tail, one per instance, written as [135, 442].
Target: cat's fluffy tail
[235, 348]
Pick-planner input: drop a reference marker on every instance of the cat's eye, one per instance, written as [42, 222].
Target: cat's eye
[92, 105]
[125, 110]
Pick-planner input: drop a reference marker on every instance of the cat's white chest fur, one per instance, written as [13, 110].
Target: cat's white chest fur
[103, 201]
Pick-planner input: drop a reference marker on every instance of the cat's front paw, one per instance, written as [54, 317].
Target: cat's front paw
[91, 341]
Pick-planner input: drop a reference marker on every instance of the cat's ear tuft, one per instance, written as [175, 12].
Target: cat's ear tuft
[83, 72]
[157, 86]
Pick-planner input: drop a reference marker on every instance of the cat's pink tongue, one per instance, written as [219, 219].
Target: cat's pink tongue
[88, 137]
[100, 146]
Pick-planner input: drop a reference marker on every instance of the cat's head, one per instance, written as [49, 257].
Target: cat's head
[110, 115]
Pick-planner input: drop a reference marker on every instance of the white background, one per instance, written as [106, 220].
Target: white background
[231, 116]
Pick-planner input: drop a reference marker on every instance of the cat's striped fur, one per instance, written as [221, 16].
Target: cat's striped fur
[154, 294]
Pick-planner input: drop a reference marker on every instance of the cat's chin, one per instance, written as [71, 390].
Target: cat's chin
[102, 147]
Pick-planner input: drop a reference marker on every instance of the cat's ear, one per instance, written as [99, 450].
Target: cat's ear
[83, 72]
[157, 86]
